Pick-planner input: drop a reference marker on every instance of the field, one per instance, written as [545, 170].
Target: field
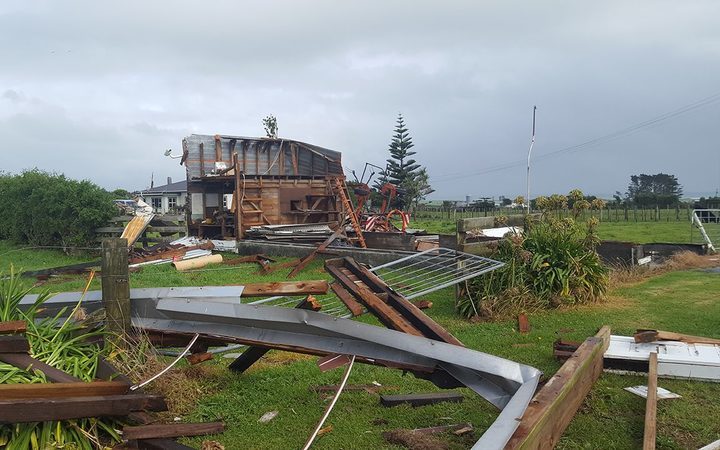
[610, 418]
[638, 232]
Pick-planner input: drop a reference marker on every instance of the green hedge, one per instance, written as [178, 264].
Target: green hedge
[39, 208]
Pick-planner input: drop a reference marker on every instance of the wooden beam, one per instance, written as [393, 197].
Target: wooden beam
[420, 399]
[410, 312]
[306, 260]
[161, 444]
[14, 344]
[285, 288]
[218, 148]
[657, 335]
[27, 362]
[62, 390]
[41, 410]
[237, 196]
[202, 159]
[171, 430]
[386, 314]
[355, 308]
[650, 435]
[13, 327]
[554, 406]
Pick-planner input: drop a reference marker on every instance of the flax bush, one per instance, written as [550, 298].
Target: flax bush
[553, 263]
[63, 344]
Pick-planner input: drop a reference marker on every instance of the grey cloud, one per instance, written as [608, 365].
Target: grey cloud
[116, 84]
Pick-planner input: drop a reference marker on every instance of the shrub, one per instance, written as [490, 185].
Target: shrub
[64, 344]
[554, 263]
[39, 208]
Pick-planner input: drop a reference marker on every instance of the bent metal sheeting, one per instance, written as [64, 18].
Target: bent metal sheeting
[506, 384]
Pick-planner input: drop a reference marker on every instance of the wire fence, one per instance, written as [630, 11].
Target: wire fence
[611, 213]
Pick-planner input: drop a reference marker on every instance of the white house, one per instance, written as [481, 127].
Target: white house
[167, 199]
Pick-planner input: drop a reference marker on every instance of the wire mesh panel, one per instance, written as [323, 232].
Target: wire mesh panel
[707, 221]
[331, 304]
[432, 270]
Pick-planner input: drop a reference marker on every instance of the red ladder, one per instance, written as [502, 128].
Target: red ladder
[341, 189]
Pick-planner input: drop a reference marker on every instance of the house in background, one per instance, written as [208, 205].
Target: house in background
[167, 199]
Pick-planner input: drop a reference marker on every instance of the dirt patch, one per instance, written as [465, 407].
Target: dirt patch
[415, 441]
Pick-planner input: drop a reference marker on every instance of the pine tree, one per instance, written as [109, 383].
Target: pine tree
[400, 166]
[403, 171]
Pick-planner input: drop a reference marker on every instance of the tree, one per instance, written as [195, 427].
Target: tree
[417, 188]
[271, 127]
[404, 171]
[661, 189]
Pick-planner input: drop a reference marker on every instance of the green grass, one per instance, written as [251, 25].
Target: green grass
[638, 232]
[610, 418]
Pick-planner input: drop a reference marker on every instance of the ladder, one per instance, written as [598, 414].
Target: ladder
[341, 189]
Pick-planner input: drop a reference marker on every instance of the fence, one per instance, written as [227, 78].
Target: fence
[162, 228]
[611, 213]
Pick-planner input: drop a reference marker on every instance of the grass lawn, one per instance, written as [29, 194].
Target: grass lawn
[610, 418]
[638, 232]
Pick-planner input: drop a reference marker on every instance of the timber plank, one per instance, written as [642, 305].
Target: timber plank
[13, 327]
[420, 399]
[40, 410]
[407, 309]
[62, 390]
[14, 344]
[171, 430]
[285, 288]
[161, 444]
[554, 406]
[355, 308]
[658, 335]
[386, 314]
[27, 362]
[650, 434]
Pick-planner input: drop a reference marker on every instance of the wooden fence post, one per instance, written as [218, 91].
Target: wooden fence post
[116, 285]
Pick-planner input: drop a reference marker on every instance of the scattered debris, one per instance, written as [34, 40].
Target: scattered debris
[562, 350]
[421, 399]
[675, 359]
[159, 431]
[369, 388]
[197, 263]
[268, 416]
[443, 428]
[325, 430]
[423, 304]
[523, 324]
[712, 446]
[554, 406]
[662, 394]
[646, 336]
[197, 358]
[212, 445]
[650, 434]
[415, 441]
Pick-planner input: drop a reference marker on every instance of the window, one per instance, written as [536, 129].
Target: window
[172, 202]
[157, 204]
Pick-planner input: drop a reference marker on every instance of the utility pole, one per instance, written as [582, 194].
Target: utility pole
[532, 142]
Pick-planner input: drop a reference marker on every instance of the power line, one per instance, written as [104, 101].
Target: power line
[592, 142]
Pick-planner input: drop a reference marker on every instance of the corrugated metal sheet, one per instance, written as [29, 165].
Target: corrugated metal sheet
[259, 156]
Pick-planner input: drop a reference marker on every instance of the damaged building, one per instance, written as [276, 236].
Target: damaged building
[235, 183]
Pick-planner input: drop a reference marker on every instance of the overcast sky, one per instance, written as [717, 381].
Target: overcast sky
[99, 90]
